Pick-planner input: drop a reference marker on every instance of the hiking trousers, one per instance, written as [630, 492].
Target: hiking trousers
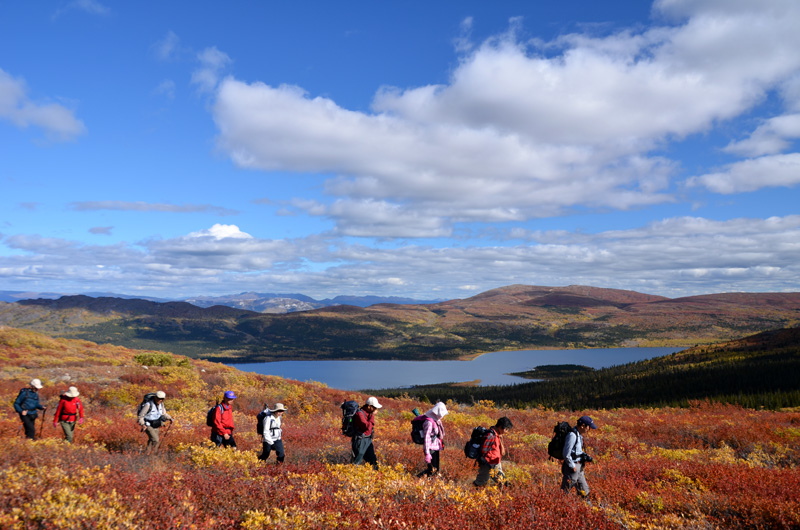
[488, 471]
[574, 479]
[69, 430]
[266, 449]
[364, 451]
[29, 424]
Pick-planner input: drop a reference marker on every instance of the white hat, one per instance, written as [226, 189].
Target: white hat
[279, 408]
[160, 395]
[374, 402]
[35, 383]
[72, 392]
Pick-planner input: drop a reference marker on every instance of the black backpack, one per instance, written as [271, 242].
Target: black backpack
[349, 409]
[148, 398]
[473, 447]
[418, 429]
[211, 413]
[260, 419]
[556, 446]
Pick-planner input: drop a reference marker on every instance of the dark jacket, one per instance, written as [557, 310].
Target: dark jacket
[28, 400]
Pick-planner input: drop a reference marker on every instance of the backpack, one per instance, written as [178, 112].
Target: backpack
[349, 409]
[556, 446]
[147, 399]
[418, 429]
[473, 447]
[211, 414]
[260, 419]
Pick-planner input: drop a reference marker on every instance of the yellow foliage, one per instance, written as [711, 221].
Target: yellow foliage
[219, 458]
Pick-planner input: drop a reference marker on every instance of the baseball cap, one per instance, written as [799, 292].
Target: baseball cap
[586, 420]
[229, 394]
[374, 402]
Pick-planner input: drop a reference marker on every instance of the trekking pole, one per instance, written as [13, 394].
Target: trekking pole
[41, 427]
[158, 447]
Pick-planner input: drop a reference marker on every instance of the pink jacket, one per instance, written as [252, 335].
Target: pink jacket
[433, 430]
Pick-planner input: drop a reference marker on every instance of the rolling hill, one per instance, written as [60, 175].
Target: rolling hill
[513, 317]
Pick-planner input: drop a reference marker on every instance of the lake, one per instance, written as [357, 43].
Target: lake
[489, 368]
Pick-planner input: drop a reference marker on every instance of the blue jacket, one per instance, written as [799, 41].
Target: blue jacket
[28, 400]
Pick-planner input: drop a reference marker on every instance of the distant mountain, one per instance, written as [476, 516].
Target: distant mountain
[14, 296]
[509, 318]
[291, 302]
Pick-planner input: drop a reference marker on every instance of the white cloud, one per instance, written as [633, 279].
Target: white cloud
[516, 134]
[673, 257]
[212, 64]
[750, 175]
[57, 121]
[773, 136]
[168, 47]
[141, 206]
[93, 7]
[219, 231]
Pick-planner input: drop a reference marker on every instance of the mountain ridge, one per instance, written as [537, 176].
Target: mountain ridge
[511, 317]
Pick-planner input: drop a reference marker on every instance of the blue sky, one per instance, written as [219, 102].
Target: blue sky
[422, 149]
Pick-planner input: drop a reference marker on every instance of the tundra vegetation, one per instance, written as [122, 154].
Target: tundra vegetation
[706, 465]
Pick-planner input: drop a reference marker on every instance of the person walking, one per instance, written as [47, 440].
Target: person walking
[433, 438]
[362, 443]
[575, 458]
[68, 413]
[27, 406]
[222, 431]
[492, 452]
[152, 414]
[272, 437]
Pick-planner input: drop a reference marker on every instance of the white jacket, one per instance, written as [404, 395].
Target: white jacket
[272, 429]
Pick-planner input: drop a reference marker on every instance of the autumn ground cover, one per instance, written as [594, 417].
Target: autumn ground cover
[706, 466]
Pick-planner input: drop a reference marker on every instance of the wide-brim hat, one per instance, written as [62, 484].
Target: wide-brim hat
[279, 408]
[72, 392]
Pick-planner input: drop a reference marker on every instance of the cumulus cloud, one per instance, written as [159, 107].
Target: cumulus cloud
[58, 122]
[140, 206]
[219, 231]
[524, 130]
[773, 136]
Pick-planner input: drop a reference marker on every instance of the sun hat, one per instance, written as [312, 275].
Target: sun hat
[279, 408]
[35, 383]
[374, 402]
[229, 394]
[72, 392]
[160, 395]
[586, 420]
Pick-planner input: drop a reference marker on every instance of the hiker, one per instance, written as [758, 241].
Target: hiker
[575, 459]
[69, 412]
[364, 422]
[222, 430]
[433, 438]
[152, 414]
[272, 439]
[27, 406]
[492, 452]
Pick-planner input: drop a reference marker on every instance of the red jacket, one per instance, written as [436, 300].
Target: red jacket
[69, 409]
[364, 423]
[223, 419]
[493, 448]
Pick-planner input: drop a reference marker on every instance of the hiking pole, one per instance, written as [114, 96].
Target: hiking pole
[41, 427]
[158, 447]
